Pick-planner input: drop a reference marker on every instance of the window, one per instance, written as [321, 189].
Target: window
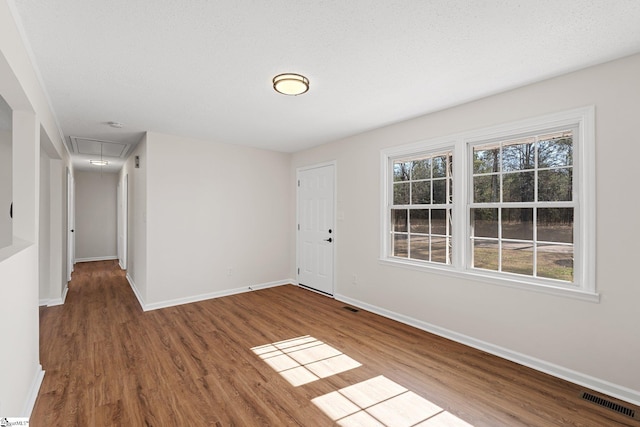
[515, 208]
[421, 209]
[522, 207]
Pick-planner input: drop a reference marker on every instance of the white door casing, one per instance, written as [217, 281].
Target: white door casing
[122, 215]
[119, 222]
[316, 227]
[71, 241]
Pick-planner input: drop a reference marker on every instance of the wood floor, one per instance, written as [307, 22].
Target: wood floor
[207, 364]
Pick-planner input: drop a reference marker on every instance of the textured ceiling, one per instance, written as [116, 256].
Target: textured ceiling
[203, 68]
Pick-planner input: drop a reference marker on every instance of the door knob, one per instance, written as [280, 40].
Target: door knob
[328, 240]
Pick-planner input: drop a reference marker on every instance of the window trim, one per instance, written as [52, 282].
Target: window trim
[582, 119]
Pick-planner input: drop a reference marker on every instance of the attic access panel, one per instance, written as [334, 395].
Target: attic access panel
[97, 147]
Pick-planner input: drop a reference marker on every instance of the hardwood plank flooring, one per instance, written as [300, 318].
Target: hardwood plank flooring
[109, 363]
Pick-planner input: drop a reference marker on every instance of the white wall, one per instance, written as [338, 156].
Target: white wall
[44, 243]
[58, 237]
[137, 219]
[52, 252]
[19, 274]
[19, 365]
[217, 218]
[596, 343]
[6, 230]
[95, 215]
[20, 371]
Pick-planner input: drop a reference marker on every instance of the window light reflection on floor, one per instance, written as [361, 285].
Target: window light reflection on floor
[304, 359]
[382, 402]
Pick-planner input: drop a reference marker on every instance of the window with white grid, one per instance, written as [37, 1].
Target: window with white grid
[522, 205]
[512, 204]
[420, 214]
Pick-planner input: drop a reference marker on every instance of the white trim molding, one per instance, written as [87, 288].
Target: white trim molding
[33, 392]
[203, 297]
[602, 386]
[271, 284]
[59, 301]
[97, 258]
[52, 302]
[136, 292]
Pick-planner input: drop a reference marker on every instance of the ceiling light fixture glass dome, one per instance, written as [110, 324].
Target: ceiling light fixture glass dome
[290, 84]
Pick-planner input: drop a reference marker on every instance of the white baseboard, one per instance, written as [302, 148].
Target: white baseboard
[211, 295]
[270, 284]
[136, 292]
[33, 392]
[98, 258]
[55, 301]
[602, 386]
[59, 301]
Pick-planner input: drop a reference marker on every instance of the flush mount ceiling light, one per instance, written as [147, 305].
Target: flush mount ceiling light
[116, 125]
[290, 84]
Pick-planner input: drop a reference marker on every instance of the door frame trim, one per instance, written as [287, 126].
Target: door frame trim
[71, 224]
[336, 229]
[123, 221]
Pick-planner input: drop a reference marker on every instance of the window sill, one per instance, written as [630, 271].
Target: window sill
[490, 279]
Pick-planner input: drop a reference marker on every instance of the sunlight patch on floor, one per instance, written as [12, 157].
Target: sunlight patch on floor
[382, 402]
[304, 359]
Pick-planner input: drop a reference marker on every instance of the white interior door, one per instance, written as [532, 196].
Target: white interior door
[71, 241]
[316, 227]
